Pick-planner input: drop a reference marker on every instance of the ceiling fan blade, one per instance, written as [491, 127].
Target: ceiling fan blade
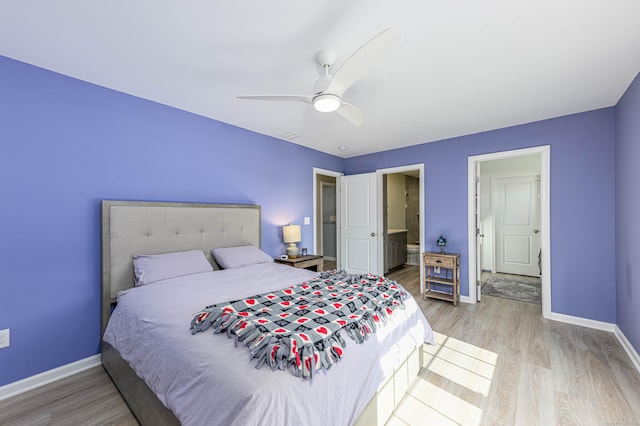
[361, 61]
[285, 98]
[351, 113]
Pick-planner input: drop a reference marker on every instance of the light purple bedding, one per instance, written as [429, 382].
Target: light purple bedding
[204, 379]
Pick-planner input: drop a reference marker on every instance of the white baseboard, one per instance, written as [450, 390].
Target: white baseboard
[24, 385]
[626, 344]
[584, 322]
[465, 299]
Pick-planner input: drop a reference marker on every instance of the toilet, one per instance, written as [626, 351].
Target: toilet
[413, 254]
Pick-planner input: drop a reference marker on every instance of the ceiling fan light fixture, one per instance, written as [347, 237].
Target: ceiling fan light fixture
[326, 103]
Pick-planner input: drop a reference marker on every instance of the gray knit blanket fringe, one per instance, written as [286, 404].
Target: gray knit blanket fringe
[299, 328]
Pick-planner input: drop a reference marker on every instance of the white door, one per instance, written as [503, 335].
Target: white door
[359, 223]
[479, 235]
[517, 210]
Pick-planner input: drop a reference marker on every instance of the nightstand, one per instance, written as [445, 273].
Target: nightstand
[445, 284]
[312, 262]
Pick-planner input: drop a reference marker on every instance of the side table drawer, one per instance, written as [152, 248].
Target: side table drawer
[443, 261]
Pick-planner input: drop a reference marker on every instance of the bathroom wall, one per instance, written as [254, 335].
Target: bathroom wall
[412, 212]
[396, 218]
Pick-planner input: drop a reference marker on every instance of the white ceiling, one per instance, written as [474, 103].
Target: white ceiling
[461, 67]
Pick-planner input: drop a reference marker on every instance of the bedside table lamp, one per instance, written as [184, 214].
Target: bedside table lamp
[291, 236]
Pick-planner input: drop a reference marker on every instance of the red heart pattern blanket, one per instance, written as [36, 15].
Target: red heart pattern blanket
[299, 328]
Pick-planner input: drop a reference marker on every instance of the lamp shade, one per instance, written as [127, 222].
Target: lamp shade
[291, 234]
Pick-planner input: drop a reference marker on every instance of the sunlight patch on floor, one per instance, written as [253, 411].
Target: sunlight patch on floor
[467, 365]
[468, 349]
[426, 403]
[461, 364]
[412, 411]
[461, 376]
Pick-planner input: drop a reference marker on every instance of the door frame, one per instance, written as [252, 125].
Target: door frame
[400, 169]
[320, 241]
[545, 218]
[318, 171]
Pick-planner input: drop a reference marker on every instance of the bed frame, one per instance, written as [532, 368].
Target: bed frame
[131, 227]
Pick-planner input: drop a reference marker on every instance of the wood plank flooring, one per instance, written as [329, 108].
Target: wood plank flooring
[495, 363]
[86, 398]
[506, 364]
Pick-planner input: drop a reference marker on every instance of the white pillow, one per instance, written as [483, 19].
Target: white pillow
[149, 268]
[235, 257]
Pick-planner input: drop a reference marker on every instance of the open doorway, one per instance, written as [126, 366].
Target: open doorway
[327, 221]
[402, 213]
[509, 226]
[325, 228]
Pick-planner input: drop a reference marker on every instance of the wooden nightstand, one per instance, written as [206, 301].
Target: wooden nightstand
[444, 284]
[312, 262]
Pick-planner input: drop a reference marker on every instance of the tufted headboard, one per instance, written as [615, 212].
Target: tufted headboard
[137, 227]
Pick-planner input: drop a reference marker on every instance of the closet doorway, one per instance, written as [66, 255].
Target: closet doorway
[325, 216]
[327, 222]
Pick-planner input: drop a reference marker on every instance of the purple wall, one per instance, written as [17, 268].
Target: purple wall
[582, 201]
[64, 146]
[628, 213]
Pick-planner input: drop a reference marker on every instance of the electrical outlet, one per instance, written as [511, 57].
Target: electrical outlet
[4, 338]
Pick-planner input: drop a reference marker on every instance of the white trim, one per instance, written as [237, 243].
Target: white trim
[545, 217]
[583, 322]
[466, 299]
[318, 171]
[471, 227]
[25, 385]
[401, 169]
[628, 347]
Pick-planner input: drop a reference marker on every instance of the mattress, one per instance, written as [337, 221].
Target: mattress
[206, 379]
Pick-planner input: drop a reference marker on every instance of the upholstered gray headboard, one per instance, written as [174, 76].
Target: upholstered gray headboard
[136, 227]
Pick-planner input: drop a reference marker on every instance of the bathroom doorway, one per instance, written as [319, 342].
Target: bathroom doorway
[402, 207]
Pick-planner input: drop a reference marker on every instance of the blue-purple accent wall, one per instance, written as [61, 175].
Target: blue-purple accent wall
[582, 201]
[628, 213]
[64, 146]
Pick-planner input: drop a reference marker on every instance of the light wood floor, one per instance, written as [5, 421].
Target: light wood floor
[495, 363]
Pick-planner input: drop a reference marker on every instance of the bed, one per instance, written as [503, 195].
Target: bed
[204, 378]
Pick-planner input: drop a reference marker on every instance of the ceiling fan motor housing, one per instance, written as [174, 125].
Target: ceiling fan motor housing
[325, 58]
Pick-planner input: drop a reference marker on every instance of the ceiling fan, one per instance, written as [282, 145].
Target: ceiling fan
[328, 90]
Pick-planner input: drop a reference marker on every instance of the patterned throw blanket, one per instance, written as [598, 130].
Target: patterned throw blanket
[299, 328]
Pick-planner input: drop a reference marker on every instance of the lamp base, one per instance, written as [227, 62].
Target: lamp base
[292, 250]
